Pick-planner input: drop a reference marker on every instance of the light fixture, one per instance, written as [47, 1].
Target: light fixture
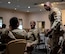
[42, 4]
[39, 4]
[15, 8]
[28, 6]
[9, 2]
[55, 3]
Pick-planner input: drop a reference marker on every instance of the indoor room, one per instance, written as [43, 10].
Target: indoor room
[32, 26]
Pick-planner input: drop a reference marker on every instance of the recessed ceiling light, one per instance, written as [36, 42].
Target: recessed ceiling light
[42, 4]
[15, 8]
[28, 6]
[9, 2]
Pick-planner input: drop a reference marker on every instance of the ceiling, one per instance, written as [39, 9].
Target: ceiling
[22, 5]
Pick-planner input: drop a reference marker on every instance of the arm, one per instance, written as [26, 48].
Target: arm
[37, 37]
[33, 42]
[57, 17]
[11, 35]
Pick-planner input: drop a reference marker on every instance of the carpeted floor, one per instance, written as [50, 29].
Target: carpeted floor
[38, 52]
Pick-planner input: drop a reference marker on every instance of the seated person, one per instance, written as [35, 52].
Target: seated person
[3, 29]
[4, 32]
[33, 36]
[14, 32]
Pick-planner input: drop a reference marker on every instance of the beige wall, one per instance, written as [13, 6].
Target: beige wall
[27, 17]
[7, 14]
[63, 17]
[43, 16]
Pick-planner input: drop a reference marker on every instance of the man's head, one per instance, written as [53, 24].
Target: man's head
[3, 25]
[14, 22]
[32, 24]
[47, 6]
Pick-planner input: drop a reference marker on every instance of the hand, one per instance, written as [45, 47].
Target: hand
[28, 44]
[49, 30]
[48, 46]
[59, 50]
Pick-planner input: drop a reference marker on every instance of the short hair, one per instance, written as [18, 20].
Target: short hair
[14, 22]
[3, 25]
[33, 22]
[47, 4]
[64, 25]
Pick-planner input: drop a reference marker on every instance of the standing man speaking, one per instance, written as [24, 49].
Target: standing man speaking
[55, 20]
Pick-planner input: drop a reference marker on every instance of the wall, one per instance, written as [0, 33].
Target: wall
[7, 14]
[27, 17]
[63, 17]
[42, 16]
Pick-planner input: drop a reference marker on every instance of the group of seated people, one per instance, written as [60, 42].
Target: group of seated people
[14, 33]
[32, 37]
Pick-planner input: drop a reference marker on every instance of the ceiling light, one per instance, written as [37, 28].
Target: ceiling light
[9, 2]
[28, 6]
[15, 8]
[42, 4]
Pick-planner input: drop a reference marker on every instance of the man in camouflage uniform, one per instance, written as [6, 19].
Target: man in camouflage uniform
[55, 20]
[33, 36]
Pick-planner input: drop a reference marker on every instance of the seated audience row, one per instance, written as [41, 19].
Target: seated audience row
[14, 33]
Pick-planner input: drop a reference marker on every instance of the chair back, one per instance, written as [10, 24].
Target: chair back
[16, 46]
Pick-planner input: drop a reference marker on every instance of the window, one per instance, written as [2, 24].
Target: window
[20, 24]
[1, 20]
